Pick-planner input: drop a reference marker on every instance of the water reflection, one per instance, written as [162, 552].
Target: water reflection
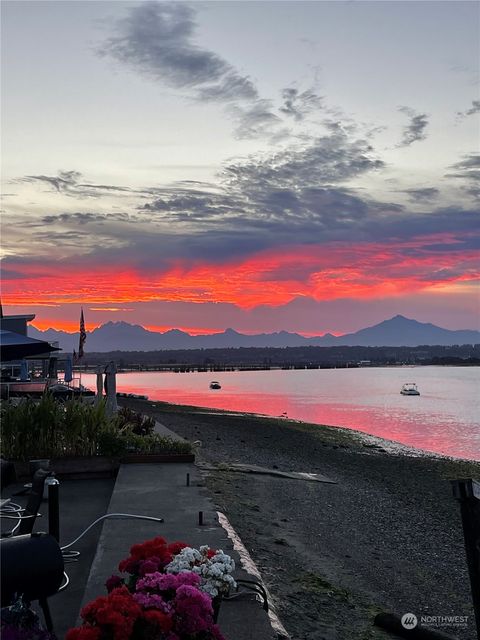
[443, 419]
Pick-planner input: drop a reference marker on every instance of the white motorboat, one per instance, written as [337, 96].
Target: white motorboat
[409, 389]
[215, 385]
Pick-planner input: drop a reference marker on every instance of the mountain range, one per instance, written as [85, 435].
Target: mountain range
[122, 336]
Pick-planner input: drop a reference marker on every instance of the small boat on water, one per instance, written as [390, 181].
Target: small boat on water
[409, 389]
[215, 385]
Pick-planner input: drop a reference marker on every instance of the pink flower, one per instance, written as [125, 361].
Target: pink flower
[152, 601]
[194, 610]
[167, 581]
[148, 566]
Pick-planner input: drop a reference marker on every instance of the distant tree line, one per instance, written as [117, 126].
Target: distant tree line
[289, 357]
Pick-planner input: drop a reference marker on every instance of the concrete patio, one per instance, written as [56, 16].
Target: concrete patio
[172, 491]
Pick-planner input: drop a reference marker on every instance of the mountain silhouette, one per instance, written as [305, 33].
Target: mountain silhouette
[123, 336]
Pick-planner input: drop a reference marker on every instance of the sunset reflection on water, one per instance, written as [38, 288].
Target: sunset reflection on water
[444, 419]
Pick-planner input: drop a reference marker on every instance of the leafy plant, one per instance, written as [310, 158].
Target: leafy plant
[140, 424]
[48, 428]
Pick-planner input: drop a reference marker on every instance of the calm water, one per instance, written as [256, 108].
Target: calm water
[444, 418]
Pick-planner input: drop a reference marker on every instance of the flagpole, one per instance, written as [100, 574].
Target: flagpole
[83, 335]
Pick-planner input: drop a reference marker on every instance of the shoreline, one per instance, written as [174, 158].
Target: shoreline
[388, 446]
[386, 537]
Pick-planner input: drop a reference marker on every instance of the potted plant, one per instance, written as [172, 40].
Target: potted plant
[159, 598]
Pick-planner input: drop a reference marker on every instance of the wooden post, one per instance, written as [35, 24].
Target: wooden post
[467, 492]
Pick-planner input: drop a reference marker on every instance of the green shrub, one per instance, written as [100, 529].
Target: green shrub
[140, 424]
[52, 429]
[111, 444]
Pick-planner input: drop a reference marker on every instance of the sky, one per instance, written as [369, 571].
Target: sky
[265, 166]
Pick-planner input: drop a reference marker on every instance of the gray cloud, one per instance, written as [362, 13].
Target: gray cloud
[468, 170]
[270, 199]
[63, 183]
[304, 193]
[415, 130]
[257, 119]
[157, 39]
[68, 183]
[328, 159]
[422, 194]
[473, 192]
[297, 105]
[475, 108]
[83, 218]
[468, 162]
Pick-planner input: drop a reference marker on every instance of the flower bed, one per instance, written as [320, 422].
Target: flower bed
[165, 594]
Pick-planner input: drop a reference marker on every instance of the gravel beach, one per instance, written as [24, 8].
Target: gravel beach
[386, 537]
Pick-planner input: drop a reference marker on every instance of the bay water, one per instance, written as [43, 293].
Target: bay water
[444, 419]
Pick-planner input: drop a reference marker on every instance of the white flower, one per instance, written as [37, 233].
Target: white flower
[214, 572]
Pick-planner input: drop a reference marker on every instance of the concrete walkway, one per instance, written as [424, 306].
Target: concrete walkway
[160, 490]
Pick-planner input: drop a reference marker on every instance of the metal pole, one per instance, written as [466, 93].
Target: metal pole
[54, 510]
[467, 492]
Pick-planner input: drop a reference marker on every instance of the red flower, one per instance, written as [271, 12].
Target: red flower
[158, 619]
[84, 633]
[148, 548]
[118, 612]
[113, 582]
[176, 547]
[120, 616]
[156, 548]
[129, 565]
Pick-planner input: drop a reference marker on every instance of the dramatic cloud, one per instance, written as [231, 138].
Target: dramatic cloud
[415, 130]
[328, 159]
[362, 271]
[157, 39]
[306, 192]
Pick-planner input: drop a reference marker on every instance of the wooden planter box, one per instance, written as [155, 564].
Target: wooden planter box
[75, 468]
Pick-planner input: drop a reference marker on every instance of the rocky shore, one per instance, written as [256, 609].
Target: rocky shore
[386, 536]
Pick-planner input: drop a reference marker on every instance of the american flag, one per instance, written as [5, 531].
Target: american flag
[83, 336]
